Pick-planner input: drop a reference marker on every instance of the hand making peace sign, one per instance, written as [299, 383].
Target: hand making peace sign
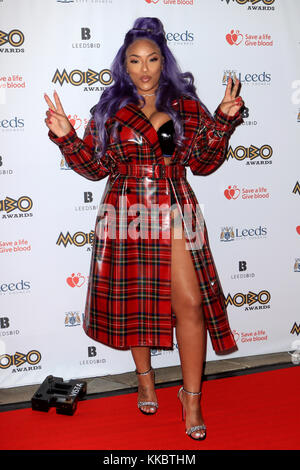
[57, 120]
[231, 102]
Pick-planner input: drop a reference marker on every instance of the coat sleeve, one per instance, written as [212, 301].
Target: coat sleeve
[210, 147]
[80, 154]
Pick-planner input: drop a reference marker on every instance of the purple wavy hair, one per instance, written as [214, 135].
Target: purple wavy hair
[173, 83]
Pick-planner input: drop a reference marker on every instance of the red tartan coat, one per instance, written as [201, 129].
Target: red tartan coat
[129, 293]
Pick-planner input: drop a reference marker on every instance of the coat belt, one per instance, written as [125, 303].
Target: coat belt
[156, 170]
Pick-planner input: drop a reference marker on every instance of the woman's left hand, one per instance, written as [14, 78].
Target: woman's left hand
[231, 102]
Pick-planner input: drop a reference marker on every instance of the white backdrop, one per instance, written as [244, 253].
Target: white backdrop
[251, 204]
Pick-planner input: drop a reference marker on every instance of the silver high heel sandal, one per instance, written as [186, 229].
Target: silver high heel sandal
[147, 403]
[200, 427]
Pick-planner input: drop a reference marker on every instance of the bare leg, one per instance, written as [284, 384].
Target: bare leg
[146, 390]
[190, 324]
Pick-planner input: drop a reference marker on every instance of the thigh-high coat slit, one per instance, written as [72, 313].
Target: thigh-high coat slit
[128, 299]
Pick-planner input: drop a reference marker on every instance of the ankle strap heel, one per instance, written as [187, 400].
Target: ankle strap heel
[200, 427]
[141, 404]
[143, 373]
[182, 389]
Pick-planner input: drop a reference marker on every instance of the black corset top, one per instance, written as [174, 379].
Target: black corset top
[165, 136]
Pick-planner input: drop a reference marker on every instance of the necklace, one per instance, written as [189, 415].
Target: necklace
[149, 94]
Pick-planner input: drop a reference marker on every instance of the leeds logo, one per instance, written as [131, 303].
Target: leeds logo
[227, 234]
[72, 319]
[297, 265]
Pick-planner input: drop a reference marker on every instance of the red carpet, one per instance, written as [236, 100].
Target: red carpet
[257, 411]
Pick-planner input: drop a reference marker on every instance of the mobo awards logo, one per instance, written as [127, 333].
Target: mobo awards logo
[79, 239]
[252, 4]
[18, 359]
[239, 300]
[15, 39]
[23, 204]
[77, 77]
[251, 155]
[296, 189]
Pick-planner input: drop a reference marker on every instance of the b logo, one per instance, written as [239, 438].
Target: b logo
[242, 266]
[92, 352]
[4, 322]
[245, 112]
[88, 196]
[85, 33]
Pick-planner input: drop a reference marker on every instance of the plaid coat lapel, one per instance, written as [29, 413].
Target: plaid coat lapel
[131, 116]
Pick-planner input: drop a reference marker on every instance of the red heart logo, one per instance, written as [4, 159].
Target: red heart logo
[80, 280]
[73, 120]
[236, 192]
[236, 335]
[234, 37]
[70, 281]
[229, 39]
[227, 194]
[298, 229]
[231, 192]
[239, 38]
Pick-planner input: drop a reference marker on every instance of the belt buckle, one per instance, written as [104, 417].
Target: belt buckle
[162, 171]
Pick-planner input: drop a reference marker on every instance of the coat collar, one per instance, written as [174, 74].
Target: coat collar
[133, 117]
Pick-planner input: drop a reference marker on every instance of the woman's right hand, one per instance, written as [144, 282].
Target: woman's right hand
[56, 120]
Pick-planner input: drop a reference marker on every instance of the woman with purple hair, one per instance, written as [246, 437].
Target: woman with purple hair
[145, 130]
